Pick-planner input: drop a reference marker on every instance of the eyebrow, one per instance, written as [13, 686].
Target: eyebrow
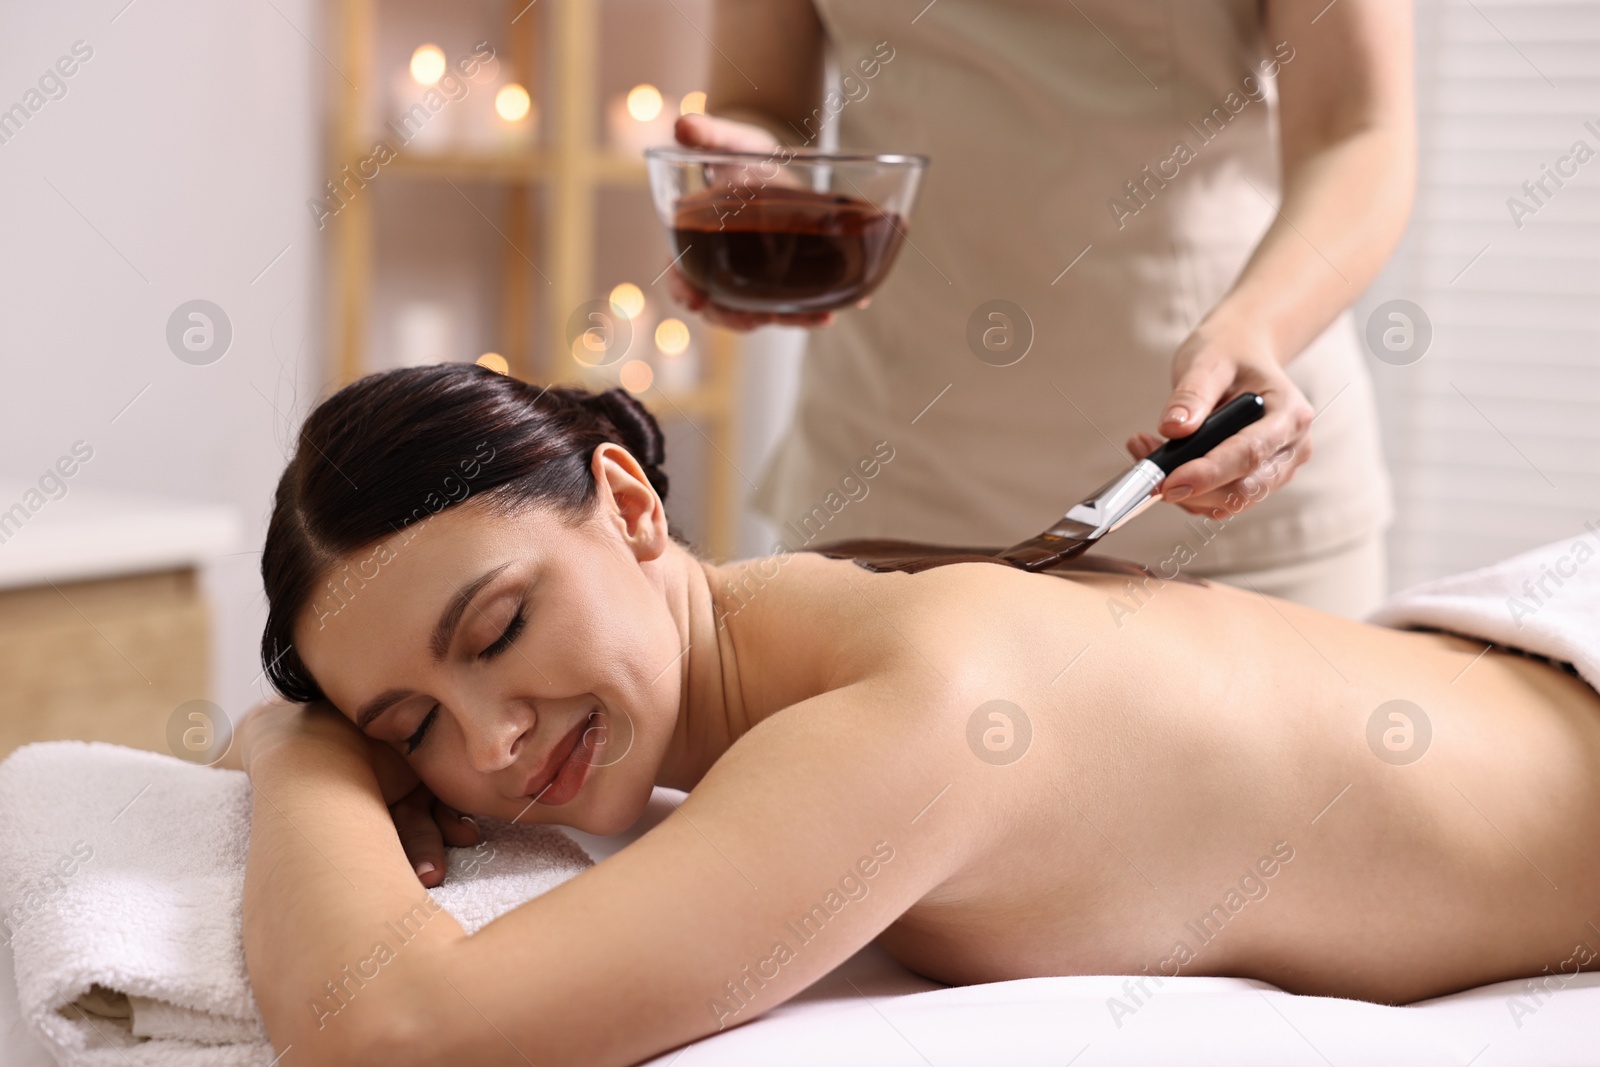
[438, 644]
[378, 705]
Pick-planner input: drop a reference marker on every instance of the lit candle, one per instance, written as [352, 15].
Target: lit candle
[425, 115]
[627, 300]
[515, 118]
[672, 336]
[423, 333]
[678, 366]
[511, 102]
[636, 376]
[644, 102]
[638, 120]
[427, 64]
[589, 348]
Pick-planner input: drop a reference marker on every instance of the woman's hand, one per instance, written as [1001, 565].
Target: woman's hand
[424, 824]
[1213, 365]
[708, 131]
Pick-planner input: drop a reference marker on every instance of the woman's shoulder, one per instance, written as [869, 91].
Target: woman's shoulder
[837, 583]
[943, 633]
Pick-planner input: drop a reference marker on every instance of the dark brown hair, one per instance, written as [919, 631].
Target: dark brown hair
[396, 447]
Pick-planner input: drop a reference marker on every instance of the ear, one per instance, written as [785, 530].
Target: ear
[629, 502]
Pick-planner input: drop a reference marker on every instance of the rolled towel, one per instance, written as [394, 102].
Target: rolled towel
[121, 883]
[1545, 601]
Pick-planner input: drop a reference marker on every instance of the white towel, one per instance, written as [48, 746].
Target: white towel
[1545, 601]
[121, 880]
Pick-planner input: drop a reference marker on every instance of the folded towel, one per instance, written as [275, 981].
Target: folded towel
[1545, 601]
[121, 881]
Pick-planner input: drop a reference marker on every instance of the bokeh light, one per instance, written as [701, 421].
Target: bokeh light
[627, 300]
[636, 376]
[672, 336]
[644, 102]
[427, 64]
[495, 362]
[589, 347]
[512, 102]
[692, 103]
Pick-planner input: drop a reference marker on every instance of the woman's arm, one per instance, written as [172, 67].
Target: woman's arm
[425, 824]
[796, 849]
[325, 873]
[1348, 140]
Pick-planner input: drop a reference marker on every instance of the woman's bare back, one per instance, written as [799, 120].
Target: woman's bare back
[1186, 778]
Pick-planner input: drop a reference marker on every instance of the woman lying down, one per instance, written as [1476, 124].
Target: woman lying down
[981, 769]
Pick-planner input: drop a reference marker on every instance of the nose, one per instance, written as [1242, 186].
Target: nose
[496, 735]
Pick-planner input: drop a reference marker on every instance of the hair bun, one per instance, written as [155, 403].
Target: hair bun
[637, 431]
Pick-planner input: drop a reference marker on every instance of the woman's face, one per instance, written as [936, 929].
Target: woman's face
[507, 656]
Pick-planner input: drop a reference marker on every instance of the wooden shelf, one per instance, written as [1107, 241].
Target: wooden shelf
[480, 166]
[608, 169]
[569, 169]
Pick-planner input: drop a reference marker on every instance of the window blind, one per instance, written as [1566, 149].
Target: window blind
[1493, 435]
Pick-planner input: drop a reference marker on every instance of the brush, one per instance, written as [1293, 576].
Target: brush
[1084, 524]
[1130, 492]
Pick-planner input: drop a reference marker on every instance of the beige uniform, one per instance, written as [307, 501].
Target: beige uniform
[1107, 167]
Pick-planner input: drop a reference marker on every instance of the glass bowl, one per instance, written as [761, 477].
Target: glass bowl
[786, 231]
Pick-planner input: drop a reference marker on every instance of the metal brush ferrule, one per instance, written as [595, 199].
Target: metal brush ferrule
[1118, 500]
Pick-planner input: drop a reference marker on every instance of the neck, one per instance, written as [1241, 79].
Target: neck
[712, 710]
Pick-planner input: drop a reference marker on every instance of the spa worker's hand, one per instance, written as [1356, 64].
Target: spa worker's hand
[709, 131]
[1347, 147]
[1210, 367]
[424, 824]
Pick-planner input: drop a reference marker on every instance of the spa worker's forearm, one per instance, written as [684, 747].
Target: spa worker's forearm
[1349, 168]
[783, 40]
[335, 923]
[1344, 208]
[1346, 132]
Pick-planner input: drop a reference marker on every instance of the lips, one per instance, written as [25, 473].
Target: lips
[558, 757]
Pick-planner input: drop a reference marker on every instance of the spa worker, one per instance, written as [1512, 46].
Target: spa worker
[1134, 210]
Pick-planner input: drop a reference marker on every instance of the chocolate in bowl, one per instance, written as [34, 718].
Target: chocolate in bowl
[783, 232]
[783, 249]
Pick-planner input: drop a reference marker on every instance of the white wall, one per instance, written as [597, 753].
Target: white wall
[1494, 433]
[176, 167]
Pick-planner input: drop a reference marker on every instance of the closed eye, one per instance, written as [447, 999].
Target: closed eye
[415, 739]
[512, 631]
[497, 646]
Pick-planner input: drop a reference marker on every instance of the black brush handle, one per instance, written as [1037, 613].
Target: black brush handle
[1220, 425]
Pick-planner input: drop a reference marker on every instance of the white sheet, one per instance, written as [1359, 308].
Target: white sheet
[872, 1012]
